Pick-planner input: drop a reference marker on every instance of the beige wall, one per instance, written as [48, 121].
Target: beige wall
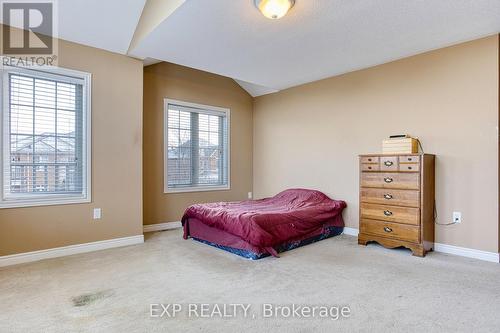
[176, 82]
[310, 136]
[116, 162]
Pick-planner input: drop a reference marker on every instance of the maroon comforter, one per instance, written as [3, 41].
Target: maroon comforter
[271, 221]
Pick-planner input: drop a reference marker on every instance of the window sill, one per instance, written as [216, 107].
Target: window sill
[196, 189]
[26, 203]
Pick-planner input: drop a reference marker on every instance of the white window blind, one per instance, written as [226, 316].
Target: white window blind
[45, 138]
[197, 147]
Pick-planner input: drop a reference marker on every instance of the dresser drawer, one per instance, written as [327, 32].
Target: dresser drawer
[409, 198]
[409, 159]
[390, 230]
[406, 215]
[409, 167]
[389, 163]
[404, 181]
[369, 159]
[370, 167]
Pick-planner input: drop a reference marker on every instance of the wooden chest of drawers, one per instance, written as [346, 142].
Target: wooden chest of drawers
[396, 200]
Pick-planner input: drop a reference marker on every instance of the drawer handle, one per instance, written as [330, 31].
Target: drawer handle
[388, 163]
[410, 159]
[409, 168]
[369, 160]
[369, 168]
[388, 196]
[387, 229]
[387, 213]
[388, 180]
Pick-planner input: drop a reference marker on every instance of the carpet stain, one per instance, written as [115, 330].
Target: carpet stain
[86, 299]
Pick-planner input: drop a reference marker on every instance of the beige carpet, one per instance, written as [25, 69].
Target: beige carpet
[111, 291]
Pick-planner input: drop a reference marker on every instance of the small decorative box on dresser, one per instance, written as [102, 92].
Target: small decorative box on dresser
[396, 195]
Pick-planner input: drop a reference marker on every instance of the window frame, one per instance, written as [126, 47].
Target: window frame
[35, 200]
[207, 109]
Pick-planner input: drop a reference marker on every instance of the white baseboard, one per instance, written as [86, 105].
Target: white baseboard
[162, 226]
[351, 231]
[450, 249]
[466, 252]
[57, 252]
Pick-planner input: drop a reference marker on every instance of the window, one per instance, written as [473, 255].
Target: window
[196, 147]
[45, 137]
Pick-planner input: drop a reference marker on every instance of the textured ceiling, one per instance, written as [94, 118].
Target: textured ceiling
[105, 24]
[317, 39]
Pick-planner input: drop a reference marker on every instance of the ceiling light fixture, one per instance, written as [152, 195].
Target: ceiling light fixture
[274, 9]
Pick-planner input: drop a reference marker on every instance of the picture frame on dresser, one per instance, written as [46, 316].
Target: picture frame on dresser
[396, 201]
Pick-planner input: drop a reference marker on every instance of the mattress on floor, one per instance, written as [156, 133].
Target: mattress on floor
[269, 223]
[234, 244]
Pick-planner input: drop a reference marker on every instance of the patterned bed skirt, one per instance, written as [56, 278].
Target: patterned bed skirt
[328, 232]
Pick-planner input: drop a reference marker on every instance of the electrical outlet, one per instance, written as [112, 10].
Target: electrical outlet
[457, 217]
[97, 213]
[250, 195]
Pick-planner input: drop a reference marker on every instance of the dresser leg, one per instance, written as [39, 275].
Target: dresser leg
[418, 251]
[362, 241]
